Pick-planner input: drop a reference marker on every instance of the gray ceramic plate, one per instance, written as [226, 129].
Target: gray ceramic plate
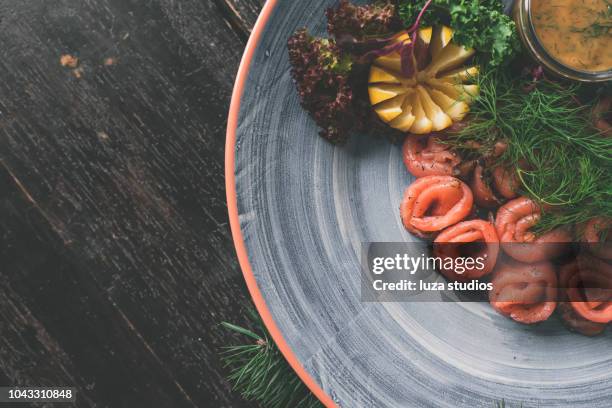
[300, 210]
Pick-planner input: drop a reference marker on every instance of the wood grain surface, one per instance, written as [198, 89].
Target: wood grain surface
[116, 260]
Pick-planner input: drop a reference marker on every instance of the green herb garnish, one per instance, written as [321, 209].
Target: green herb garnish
[564, 163]
[479, 24]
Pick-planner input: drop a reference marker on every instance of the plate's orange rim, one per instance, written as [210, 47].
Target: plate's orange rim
[232, 206]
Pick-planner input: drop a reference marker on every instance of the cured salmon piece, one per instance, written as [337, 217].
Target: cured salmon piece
[427, 156]
[506, 182]
[513, 222]
[433, 203]
[577, 323]
[596, 234]
[483, 194]
[571, 318]
[474, 239]
[491, 190]
[524, 292]
[587, 285]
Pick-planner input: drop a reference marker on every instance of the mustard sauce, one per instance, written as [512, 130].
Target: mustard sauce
[577, 33]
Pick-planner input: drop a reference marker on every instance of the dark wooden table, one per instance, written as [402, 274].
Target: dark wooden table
[116, 260]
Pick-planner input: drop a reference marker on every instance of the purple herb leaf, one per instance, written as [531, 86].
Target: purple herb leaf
[408, 60]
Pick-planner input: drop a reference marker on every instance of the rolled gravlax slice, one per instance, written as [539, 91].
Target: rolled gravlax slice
[433, 203]
[493, 188]
[571, 318]
[429, 156]
[597, 236]
[514, 221]
[526, 293]
[476, 240]
[587, 285]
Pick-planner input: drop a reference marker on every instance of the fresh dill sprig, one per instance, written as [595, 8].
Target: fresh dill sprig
[259, 372]
[564, 163]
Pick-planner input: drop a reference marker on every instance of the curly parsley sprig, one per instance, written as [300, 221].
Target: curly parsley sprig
[479, 24]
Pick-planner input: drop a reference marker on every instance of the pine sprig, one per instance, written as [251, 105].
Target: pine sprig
[259, 372]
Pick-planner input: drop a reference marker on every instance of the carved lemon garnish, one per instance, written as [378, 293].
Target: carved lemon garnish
[438, 92]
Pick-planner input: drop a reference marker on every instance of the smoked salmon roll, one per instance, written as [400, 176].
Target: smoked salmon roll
[433, 203]
[481, 187]
[596, 234]
[474, 239]
[587, 285]
[506, 182]
[428, 156]
[491, 189]
[527, 293]
[572, 319]
[513, 222]
[574, 322]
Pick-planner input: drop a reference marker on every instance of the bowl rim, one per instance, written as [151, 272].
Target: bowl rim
[534, 46]
[232, 207]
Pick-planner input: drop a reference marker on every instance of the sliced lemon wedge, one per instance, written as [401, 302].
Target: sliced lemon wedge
[425, 34]
[442, 35]
[383, 92]
[453, 108]
[391, 108]
[406, 119]
[450, 57]
[391, 62]
[382, 75]
[458, 92]
[422, 124]
[439, 119]
[436, 95]
[460, 75]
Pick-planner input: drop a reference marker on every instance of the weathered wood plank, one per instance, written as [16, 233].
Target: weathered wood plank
[240, 14]
[122, 156]
[82, 340]
[28, 356]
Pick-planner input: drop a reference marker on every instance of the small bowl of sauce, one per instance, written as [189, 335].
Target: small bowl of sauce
[571, 38]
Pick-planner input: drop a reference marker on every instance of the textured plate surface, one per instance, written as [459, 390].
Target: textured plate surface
[305, 207]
